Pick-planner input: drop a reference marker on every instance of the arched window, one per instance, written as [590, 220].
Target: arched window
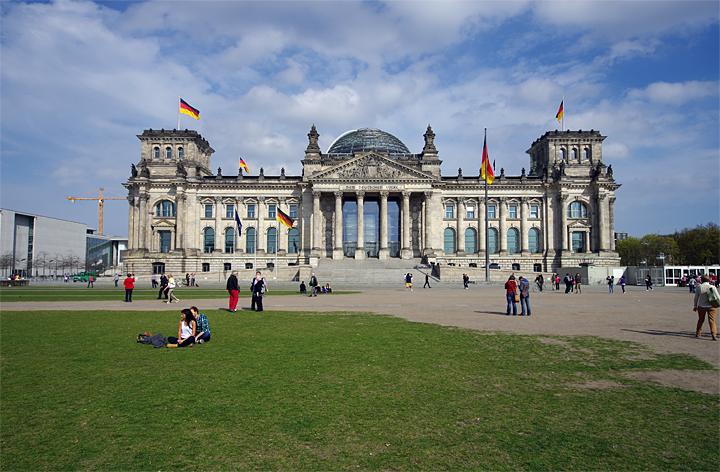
[208, 240]
[165, 209]
[250, 241]
[449, 237]
[577, 210]
[271, 240]
[562, 154]
[585, 153]
[168, 152]
[156, 152]
[230, 240]
[470, 239]
[573, 154]
[534, 241]
[513, 241]
[293, 241]
[492, 241]
[181, 153]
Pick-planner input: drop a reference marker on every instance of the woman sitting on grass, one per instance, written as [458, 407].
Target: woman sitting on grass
[186, 330]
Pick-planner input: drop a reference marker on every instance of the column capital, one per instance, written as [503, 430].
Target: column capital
[602, 197]
[217, 199]
[180, 197]
[611, 200]
[406, 194]
[384, 193]
[428, 193]
[338, 193]
[461, 200]
[261, 199]
[145, 197]
[131, 200]
[524, 200]
[360, 194]
[564, 197]
[316, 193]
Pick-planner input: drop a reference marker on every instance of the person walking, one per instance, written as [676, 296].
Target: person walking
[313, 285]
[233, 288]
[622, 283]
[524, 287]
[703, 307]
[466, 280]
[510, 292]
[153, 281]
[163, 287]
[408, 282]
[90, 281]
[578, 284]
[648, 283]
[427, 280]
[129, 283]
[116, 278]
[539, 281]
[258, 287]
[170, 288]
[611, 283]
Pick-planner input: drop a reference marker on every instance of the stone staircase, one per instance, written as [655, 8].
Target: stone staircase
[371, 271]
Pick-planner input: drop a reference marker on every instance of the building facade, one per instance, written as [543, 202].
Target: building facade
[368, 196]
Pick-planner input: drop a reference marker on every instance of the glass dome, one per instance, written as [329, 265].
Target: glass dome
[366, 140]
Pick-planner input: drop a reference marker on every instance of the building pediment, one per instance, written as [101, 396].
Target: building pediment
[164, 223]
[579, 224]
[370, 167]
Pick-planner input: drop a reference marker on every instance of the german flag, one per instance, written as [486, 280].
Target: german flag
[486, 171]
[244, 166]
[188, 110]
[560, 111]
[284, 219]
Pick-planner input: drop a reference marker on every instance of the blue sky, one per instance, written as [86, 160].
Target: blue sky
[79, 81]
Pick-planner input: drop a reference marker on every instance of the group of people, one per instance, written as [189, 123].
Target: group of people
[315, 289]
[258, 287]
[572, 283]
[193, 328]
[518, 291]
[167, 286]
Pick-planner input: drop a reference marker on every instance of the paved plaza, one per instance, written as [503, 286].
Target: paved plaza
[662, 319]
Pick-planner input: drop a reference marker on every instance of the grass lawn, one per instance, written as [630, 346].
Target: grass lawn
[73, 293]
[297, 391]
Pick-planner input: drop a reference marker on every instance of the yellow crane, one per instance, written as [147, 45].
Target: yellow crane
[101, 205]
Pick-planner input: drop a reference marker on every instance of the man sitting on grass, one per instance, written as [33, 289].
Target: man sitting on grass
[203, 328]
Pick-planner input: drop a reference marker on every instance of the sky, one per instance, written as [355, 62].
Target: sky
[80, 80]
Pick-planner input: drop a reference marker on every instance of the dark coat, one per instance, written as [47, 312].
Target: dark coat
[232, 283]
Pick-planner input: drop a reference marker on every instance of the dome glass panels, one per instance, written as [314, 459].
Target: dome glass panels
[366, 140]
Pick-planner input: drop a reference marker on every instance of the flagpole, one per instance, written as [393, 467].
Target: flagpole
[563, 115]
[179, 112]
[277, 240]
[487, 248]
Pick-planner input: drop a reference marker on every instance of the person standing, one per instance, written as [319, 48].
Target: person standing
[258, 287]
[568, 282]
[427, 280]
[556, 280]
[129, 283]
[524, 287]
[691, 284]
[203, 327]
[187, 279]
[116, 278]
[192, 279]
[703, 307]
[611, 283]
[90, 281]
[408, 282]
[170, 288]
[510, 291]
[622, 283]
[648, 283]
[578, 283]
[163, 287]
[313, 285]
[233, 288]
[466, 280]
[539, 281]
[153, 280]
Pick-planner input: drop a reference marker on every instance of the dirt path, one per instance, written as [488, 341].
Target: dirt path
[662, 319]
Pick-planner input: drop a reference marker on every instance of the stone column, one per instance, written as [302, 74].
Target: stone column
[305, 216]
[132, 238]
[180, 222]
[481, 227]
[611, 218]
[360, 251]
[502, 227]
[562, 201]
[384, 252]
[406, 252]
[144, 217]
[524, 249]
[338, 246]
[219, 243]
[317, 220]
[588, 234]
[460, 236]
[427, 218]
[602, 229]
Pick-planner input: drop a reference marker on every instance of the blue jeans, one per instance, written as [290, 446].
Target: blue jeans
[511, 299]
[525, 302]
[612, 288]
[205, 337]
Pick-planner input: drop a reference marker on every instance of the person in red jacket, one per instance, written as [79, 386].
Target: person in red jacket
[510, 291]
[129, 283]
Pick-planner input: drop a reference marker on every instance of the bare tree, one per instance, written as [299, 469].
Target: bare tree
[6, 262]
[41, 261]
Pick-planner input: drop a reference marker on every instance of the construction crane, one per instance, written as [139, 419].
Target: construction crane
[101, 205]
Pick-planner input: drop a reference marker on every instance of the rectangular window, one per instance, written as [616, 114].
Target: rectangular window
[251, 211]
[271, 211]
[471, 212]
[534, 211]
[206, 267]
[164, 241]
[449, 211]
[208, 211]
[578, 242]
[293, 211]
[512, 211]
[491, 211]
[230, 211]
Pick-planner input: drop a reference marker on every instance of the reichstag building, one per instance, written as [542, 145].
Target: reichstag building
[369, 196]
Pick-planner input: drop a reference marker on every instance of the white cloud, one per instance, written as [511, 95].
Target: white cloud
[675, 93]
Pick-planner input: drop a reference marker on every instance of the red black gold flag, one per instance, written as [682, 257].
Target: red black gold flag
[244, 166]
[486, 171]
[560, 111]
[188, 110]
[284, 219]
